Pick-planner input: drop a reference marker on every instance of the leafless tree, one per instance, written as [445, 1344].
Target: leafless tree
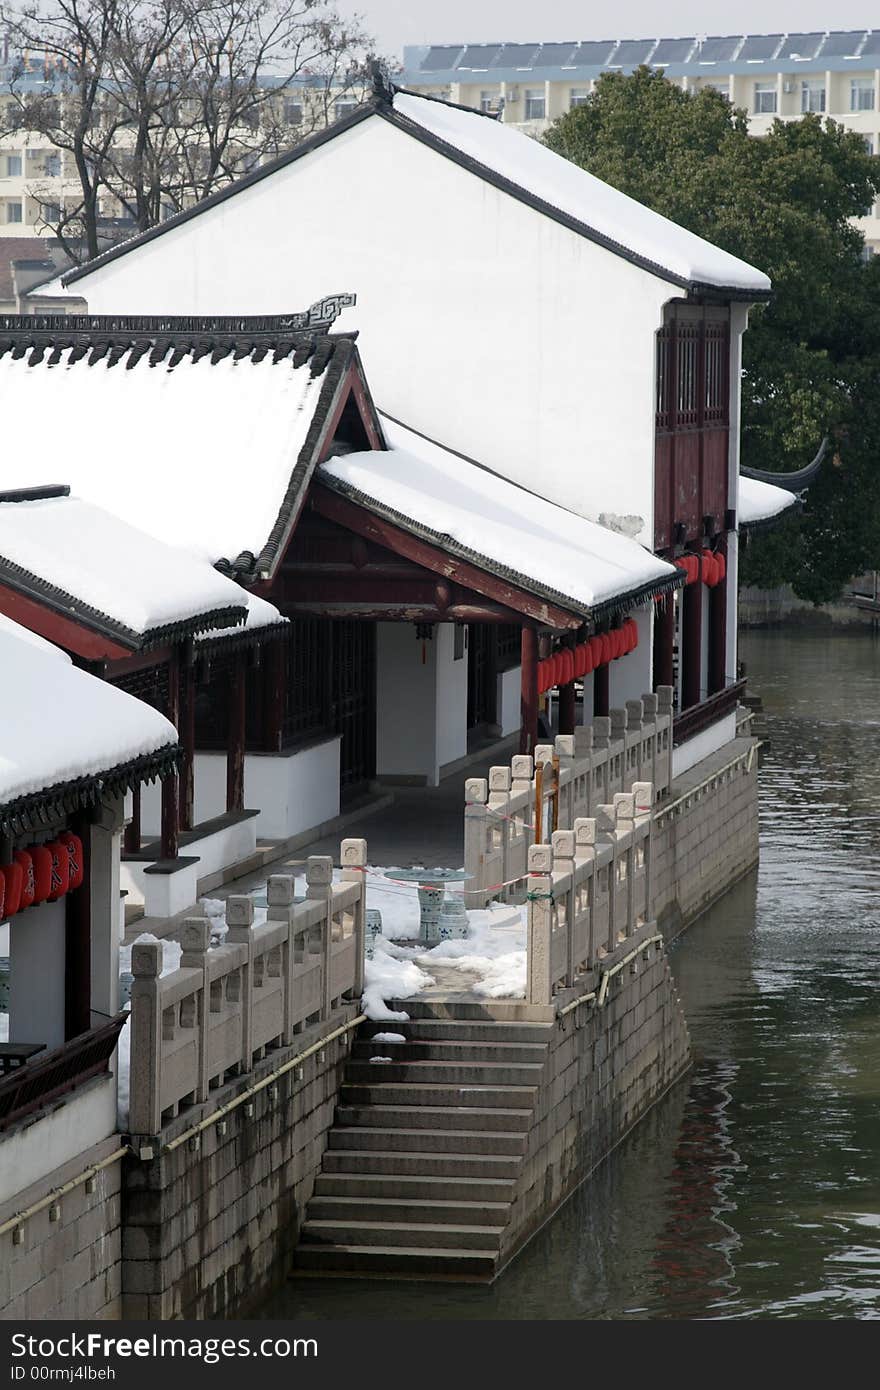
[155, 104]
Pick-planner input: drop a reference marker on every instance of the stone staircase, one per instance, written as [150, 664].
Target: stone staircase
[422, 1162]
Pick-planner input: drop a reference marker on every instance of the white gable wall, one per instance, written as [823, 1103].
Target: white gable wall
[483, 323]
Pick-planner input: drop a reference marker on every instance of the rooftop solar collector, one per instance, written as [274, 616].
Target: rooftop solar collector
[800, 46]
[557, 55]
[631, 52]
[518, 55]
[439, 59]
[759, 46]
[842, 45]
[672, 50]
[718, 49]
[480, 55]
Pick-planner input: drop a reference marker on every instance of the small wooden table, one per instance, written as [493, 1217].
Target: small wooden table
[14, 1055]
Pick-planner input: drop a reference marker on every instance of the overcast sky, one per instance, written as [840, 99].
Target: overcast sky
[396, 22]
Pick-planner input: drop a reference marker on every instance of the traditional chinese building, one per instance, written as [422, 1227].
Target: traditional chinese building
[521, 316]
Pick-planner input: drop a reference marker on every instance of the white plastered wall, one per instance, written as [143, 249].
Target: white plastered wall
[421, 702]
[536, 356]
[631, 674]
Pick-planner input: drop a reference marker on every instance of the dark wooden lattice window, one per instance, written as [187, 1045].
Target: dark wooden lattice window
[151, 684]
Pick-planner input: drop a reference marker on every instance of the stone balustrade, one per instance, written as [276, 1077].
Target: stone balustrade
[217, 1014]
[579, 772]
[589, 891]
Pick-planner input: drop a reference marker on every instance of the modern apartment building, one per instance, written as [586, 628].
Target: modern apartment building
[835, 74]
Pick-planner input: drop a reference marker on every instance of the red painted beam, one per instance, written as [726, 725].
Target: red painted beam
[65, 632]
[383, 532]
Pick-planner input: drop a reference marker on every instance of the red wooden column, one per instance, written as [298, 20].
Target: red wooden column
[567, 701]
[664, 640]
[718, 630]
[274, 692]
[187, 731]
[170, 785]
[528, 736]
[602, 689]
[236, 736]
[131, 839]
[692, 644]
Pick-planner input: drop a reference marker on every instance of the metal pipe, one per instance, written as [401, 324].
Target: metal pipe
[262, 1084]
[58, 1192]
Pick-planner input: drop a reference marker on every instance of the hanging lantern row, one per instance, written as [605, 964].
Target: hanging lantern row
[714, 567]
[41, 874]
[572, 663]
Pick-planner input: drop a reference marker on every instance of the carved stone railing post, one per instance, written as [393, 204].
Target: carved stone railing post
[240, 924]
[540, 926]
[624, 815]
[583, 753]
[606, 830]
[319, 886]
[617, 752]
[585, 850]
[643, 798]
[145, 1108]
[195, 938]
[563, 863]
[635, 712]
[476, 837]
[665, 715]
[353, 858]
[648, 769]
[564, 748]
[280, 895]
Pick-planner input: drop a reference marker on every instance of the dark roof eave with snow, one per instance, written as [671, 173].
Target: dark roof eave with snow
[382, 105]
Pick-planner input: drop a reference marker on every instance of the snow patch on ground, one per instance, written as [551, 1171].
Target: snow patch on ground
[388, 1038]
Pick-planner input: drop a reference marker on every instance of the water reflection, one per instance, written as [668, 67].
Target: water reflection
[754, 1189]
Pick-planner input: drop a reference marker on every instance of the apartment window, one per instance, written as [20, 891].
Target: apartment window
[765, 98]
[869, 143]
[861, 94]
[13, 212]
[53, 166]
[535, 104]
[578, 96]
[343, 106]
[13, 166]
[489, 101]
[813, 94]
[50, 213]
[293, 112]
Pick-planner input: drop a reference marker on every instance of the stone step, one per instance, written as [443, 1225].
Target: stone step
[461, 1141]
[409, 1185]
[447, 1073]
[415, 1212]
[403, 1232]
[435, 1117]
[503, 1010]
[420, 1163]
[387, 1092]
[431, 1050]
[430, 1263]
[462, 1030]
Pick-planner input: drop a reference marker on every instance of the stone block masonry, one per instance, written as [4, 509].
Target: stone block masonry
[606, 1067]
[210, 1225]
[706, 837]
[64, 1261]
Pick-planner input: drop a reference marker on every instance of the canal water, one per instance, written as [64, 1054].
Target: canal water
[754, 1189]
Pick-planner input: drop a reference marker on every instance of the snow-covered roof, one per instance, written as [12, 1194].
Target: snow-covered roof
[60, 726]
[198, 437]
[598, 209]
[84, 562]
[528, 171]
[760, 501]
[495, 524]
[25, 635]
[260, 615]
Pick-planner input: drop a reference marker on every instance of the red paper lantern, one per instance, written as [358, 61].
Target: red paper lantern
[634, 630]
[607, 648]
[76, 863]
[710, 569]
[720, 565]
[60, 869]
[3, 913]
[28, 883]
[542, 676]
[580, 660]
[42, 857]
[13, 877]
[588, 657]
[567, 666]
[596, 650]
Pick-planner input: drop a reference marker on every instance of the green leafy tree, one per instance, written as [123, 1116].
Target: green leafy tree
[784, 202]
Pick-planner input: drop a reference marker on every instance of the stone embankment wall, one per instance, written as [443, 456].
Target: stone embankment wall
[65, 1260]
[706, 836]
[210, 1225]
[606, 1067]
[773, 607]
